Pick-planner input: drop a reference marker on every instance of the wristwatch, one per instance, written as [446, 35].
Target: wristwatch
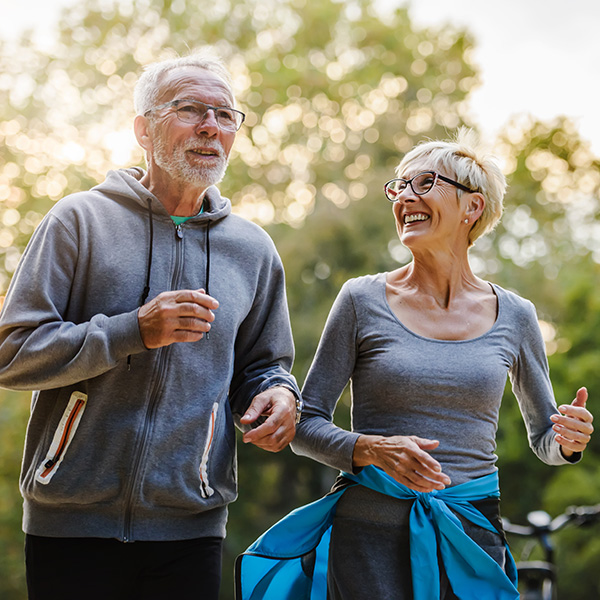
[299, 407]
[299, 401]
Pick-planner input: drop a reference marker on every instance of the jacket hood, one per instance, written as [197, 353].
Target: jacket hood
[124, 184]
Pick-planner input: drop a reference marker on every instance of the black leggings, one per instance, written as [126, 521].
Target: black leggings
[106, 569]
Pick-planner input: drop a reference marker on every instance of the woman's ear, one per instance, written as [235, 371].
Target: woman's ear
[142, 132]
[475, 206]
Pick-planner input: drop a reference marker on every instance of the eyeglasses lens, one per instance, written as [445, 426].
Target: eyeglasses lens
[395, 188]
[227, 119]
[422, 183]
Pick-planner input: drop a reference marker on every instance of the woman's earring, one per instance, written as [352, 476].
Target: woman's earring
[466, 220]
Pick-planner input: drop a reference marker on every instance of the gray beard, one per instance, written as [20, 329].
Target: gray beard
[181, 170]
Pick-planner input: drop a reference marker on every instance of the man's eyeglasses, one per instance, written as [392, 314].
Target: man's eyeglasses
[420, 184]
[194, 112]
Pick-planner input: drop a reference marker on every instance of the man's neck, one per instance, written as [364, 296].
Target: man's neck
[179, 199]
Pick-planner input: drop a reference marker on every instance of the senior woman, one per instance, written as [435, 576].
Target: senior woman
[427, 349]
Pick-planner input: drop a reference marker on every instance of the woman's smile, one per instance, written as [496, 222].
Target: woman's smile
[415, 217]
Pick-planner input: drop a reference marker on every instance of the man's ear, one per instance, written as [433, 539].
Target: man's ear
[141, 128]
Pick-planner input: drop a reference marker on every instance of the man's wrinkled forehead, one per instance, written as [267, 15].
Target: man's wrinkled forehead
[191, 81]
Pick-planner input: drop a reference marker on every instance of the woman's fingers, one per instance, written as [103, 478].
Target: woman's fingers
[573, 427]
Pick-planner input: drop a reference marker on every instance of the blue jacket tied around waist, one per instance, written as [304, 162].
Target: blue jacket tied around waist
[289, 561]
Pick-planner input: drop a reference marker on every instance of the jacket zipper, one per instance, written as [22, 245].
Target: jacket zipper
[205, 490]
[74, 410]
[65, 437]
[153, 402]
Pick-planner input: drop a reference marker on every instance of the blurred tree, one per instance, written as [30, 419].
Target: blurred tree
[322, 84]
[546, 249]
[334, 94]
[14, 410]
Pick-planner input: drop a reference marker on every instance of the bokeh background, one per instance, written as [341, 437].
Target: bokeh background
[335, 92]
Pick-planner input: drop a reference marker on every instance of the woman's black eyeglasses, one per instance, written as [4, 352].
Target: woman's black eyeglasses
[420, 185]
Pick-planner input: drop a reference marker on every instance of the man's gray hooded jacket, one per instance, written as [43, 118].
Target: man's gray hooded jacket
[125, 442]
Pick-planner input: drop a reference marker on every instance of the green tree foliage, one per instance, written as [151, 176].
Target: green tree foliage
[334, 95]
[323, 84]
[546, 249]
[14, 410]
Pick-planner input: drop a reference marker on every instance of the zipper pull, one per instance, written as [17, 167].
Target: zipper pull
[179, 231]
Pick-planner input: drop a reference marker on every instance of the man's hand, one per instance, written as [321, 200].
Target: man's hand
[179, 316]
[574, 427]
[278, 405]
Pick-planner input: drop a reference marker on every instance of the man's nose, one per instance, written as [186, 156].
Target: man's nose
[209, 124]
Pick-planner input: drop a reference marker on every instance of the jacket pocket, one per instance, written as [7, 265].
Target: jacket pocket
[62, 438]
[205, 490]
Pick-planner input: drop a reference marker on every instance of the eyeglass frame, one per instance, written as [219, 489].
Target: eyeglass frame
[175, 103]
[437, 176]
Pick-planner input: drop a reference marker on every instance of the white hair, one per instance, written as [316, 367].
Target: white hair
[466, 160]
[149, 86]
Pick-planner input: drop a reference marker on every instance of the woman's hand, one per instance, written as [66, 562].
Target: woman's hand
[573, 426]
[405, 458]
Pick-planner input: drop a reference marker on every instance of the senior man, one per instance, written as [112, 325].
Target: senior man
[129, 460]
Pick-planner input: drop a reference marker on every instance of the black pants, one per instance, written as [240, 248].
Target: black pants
[106, 569]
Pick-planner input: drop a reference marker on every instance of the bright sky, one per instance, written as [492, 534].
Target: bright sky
[538, 57]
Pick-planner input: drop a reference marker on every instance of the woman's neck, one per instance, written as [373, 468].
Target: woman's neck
[441, 277]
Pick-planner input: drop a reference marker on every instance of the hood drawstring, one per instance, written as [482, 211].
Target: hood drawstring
[146, 290]
[207, 277]
[207, 242]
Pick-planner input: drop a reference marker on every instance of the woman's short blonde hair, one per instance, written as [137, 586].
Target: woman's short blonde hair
[464, 159]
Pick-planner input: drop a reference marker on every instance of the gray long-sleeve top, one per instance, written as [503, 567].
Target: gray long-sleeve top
[405, 384]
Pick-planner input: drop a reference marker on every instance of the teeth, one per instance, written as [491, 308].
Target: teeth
[415, 217]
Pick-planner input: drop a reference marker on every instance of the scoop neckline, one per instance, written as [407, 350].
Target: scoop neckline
[495, 290]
